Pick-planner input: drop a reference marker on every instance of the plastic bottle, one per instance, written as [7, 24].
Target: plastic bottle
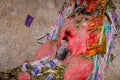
[34, 63]
[52, 63]
[50, 77]
[37, 69]
[24, 67]
[45, 58]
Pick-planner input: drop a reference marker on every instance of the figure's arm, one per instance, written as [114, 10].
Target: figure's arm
[48, 48]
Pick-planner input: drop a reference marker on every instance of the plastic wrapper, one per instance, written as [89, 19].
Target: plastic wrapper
[29, 20]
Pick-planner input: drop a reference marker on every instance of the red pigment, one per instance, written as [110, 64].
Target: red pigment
[49, 48]
[78, 69]
[77, 36]
[24, 76]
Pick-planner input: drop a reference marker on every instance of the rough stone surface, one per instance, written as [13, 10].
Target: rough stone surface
[114, 70]
[19, 43]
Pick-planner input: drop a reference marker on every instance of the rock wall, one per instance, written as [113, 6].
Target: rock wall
[18, 42]
[113, 72]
